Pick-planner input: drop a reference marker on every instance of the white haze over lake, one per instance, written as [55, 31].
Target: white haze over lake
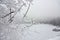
[44, 9]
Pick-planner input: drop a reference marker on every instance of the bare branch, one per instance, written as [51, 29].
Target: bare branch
[8, 14]
[20, 7]
[26, 11]
[10, 17]
[17, 11]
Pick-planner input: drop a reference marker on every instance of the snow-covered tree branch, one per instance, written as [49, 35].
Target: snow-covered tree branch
[15, 6]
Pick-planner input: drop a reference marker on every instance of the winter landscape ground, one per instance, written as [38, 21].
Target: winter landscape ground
[24, 32]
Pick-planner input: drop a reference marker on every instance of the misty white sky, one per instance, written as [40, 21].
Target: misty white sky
[44, 9]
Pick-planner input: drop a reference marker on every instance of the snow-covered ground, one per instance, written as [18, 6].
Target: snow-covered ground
[24, 32]
[55, 38]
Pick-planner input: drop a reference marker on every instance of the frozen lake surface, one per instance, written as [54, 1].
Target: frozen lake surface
[34, 32]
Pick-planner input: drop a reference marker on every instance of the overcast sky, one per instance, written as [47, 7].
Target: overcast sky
[44, 9]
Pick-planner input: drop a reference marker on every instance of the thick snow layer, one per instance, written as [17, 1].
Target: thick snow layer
[39, 32]
[26, 32]
[55, 38]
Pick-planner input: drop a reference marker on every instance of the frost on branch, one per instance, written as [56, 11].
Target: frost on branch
[14, 6]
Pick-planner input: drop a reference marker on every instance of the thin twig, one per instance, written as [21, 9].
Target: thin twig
[26, 11]
[17, 10]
